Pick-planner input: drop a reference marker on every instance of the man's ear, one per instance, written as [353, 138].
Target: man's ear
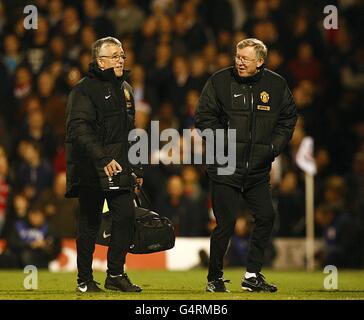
[260, 63]
[100, 63]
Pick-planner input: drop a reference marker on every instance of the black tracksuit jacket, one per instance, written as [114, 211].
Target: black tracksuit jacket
[100, 114]
[261, 110]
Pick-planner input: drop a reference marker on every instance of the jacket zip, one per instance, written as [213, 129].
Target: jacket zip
[119, 92]
[250, 129]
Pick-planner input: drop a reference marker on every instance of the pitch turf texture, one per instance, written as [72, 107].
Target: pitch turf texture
[169, 285]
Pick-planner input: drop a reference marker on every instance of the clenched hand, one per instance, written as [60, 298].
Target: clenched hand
[112, 168]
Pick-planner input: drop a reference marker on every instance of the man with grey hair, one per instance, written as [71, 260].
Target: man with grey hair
[100, 114]
[258, 104]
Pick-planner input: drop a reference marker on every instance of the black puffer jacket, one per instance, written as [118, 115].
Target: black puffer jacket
[262, 111]
[100, 114]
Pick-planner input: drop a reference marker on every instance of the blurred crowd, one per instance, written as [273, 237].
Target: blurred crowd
[172, 48]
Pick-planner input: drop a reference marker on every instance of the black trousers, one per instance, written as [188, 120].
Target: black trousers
[122, 207]
[225, 204]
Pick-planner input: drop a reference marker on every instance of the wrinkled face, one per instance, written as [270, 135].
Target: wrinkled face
[112, 56]
[246, 61]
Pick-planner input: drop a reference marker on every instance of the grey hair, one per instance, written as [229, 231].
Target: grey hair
[260, 48]
[97, 45]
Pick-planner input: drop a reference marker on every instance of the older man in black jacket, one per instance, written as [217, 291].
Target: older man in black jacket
[99, 117]
[258, 104]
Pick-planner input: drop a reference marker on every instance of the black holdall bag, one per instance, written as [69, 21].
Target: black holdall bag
[152, 232]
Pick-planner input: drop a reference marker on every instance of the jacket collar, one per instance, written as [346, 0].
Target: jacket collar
[107, 74]
[249, 80]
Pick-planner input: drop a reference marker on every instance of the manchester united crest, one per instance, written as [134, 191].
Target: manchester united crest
[127, 98]
[264, 96]
[127, 94]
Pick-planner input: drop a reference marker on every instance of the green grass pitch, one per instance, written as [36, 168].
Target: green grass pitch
[186, 285]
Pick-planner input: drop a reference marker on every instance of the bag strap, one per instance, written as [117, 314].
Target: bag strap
[142, 192]
[137, 201]
[145, 197]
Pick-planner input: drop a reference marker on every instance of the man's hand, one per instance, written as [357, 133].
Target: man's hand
[38, 244]
[139, 184]
[112, 168]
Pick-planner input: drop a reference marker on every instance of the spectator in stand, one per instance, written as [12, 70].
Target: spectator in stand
[34, 173]
[70, 30]
[142, 91]
[194, 192]
[210, 55]
[342, 238]
[5, 190]
[179, 209]
[352, 72]
[71, 77]
[94, 16]
[147, 41]
[237, 252]
[303, 95]
[7, 110]
[223, 60]
[142, 115]
[305, 66]
[194, 34]
[189, 109]
[88, 37]
[39, 131]
[160, 73]
[126, 16]
[276, 63]
[291, 207]
[335, 192]
[55, 15]
[36, 51]
[60, 212]
[178, 84]
[355, 183]
[85, 60]
[32, 241]
[224, 40]
[12, 57]
[5, 137]
[199, 74]
[23, 83]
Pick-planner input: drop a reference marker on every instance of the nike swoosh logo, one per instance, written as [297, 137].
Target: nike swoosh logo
[105, 235]
[237, 95]
[83, 289]
[107, 97]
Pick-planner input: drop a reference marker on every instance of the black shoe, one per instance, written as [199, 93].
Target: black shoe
[121, 283]
[217, 285]
[88, 286]
[257, 284]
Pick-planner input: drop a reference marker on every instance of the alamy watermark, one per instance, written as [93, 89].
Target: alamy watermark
[31, 20]
[31, 281]
[331, 280]
[331, 20]
[220, 147]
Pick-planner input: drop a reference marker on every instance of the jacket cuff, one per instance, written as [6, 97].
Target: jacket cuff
[105, 161]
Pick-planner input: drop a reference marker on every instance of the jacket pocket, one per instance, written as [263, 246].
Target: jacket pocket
[262, 156]
[264, 127]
